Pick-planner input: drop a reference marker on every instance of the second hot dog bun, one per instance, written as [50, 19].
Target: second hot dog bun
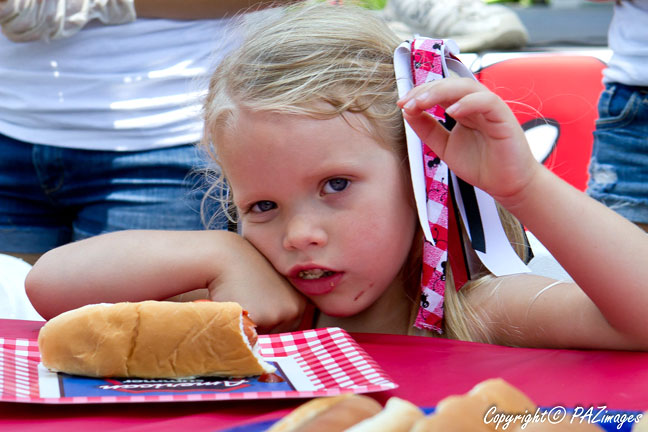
[151, 339]
[331, 414]
[398, 415]
[351, 413]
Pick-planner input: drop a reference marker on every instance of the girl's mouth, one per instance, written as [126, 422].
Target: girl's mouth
[316, 281]
[314, 274]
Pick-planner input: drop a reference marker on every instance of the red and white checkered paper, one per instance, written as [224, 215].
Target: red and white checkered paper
[329, 357]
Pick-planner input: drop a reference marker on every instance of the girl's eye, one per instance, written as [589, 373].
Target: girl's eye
[335, 185]
[263, 206]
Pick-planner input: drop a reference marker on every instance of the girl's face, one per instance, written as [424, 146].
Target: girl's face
[324, 202]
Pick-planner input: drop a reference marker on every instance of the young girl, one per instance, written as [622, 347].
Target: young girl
[305, 121]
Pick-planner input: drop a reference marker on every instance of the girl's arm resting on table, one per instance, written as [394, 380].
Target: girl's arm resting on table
[157, 265]
[534, 311]
[604, 253]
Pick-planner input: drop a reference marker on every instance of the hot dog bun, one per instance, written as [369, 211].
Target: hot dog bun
[398, 415]
[470, 412]
[151, 339]
[466, 412]
[642, 424]
[331, 414]
[351, 413]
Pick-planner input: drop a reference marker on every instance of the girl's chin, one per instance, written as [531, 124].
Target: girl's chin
[336, 311]
[337, 314]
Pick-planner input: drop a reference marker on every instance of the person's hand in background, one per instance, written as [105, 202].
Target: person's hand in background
[29, 20]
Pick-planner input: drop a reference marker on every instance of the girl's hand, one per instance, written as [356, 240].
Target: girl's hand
[248, 278]
[487, 147]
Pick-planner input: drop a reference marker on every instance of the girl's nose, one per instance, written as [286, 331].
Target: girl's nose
[303, 232]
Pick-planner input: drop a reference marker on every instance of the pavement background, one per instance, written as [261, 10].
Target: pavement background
[566, 24]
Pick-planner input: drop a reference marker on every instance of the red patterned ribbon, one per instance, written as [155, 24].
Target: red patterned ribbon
[427, 65]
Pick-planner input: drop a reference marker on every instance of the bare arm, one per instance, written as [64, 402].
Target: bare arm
[603, 252]
[535, 311]
[156, 265]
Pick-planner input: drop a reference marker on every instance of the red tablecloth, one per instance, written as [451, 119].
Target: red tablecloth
[426, 369]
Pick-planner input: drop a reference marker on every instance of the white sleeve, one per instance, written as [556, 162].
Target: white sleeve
[14, 303]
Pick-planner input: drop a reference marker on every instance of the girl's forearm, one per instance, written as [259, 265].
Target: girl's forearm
[602, 251]
[127, 266]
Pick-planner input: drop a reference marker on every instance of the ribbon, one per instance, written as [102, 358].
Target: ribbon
[424, 60]
[427, 65]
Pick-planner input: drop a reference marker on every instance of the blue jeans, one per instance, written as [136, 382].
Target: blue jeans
[52, 195]
[619, 166]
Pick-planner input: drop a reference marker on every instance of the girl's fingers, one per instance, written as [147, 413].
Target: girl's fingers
[444, 92]
[467, 101]
[430, 131]
[487, 104]
[485, 112]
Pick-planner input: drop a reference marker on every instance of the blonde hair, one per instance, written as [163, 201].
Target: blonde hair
[298, 58]
[322, 61]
